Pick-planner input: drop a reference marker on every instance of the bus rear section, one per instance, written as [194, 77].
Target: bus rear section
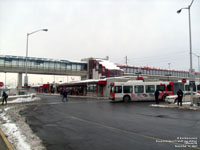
[168, 88]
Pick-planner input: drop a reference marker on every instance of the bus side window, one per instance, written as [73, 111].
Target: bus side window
[187, 88]
[169, 88]
[139, 89]
[160, 87]
[150, 88]
[118, 89]
[128, 89]
[195, 88]
[198, 87]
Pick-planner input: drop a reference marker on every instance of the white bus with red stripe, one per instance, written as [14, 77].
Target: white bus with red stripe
[142, 91]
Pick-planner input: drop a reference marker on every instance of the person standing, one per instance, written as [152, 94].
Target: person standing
[64, 98]
[156, 96]
[180, 97]
[4, 97]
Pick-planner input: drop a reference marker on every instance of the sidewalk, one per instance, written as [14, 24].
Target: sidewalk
[4, 143]
[184, 106]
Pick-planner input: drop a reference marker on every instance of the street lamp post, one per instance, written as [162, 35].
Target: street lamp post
[191, 71]
[26, 77]
[169, 70]
[198, 65]
[5, 81]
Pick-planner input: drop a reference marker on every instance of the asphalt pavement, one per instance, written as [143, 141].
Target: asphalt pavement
[101, 125]
[4, 143]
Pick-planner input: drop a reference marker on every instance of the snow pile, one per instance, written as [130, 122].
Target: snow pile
[184, 105]
[157, 105]
[16, 130]
[24, 100]
[170, 105]
[14, 133]
[187, 103]
[21, 96]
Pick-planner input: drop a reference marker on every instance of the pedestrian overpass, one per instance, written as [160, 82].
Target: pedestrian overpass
[17, 64]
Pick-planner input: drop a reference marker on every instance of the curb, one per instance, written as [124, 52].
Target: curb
[9, 146]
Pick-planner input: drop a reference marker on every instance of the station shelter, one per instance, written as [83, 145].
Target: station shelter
[84, 88]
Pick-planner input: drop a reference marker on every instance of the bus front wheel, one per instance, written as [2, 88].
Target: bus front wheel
[126, 99]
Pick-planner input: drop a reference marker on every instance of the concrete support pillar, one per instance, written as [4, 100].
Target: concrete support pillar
[19, 82]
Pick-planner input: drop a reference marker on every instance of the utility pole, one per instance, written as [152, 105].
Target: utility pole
[126, 60]
[199, 67]
[5, 80]
[198, 56]
[191, 70]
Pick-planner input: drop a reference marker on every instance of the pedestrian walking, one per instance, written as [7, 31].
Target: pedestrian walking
[156, 96]
[180, 97]
[64, 98]
[4, 97]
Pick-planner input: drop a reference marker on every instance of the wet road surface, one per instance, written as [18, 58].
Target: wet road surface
[102, 125]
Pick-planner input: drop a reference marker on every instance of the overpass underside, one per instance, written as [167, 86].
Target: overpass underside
[45, 71]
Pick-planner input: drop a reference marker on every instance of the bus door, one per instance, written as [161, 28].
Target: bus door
[139, 93]
[118, 92]
[150, 90]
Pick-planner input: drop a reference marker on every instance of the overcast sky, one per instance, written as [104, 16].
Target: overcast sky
[148, 32]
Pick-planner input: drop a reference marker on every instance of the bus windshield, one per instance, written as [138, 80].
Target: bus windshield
[112, 89]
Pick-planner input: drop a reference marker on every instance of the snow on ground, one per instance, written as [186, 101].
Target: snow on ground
[14, 134]
[185, 105]
[24, 100]
[17, 131]
[170, 105]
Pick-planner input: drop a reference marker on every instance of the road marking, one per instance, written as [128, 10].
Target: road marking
[6, 140]
[130, 132]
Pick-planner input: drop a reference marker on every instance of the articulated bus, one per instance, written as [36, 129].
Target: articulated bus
[142, 91]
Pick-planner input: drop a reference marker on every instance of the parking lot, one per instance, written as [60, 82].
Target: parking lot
[81, 124]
